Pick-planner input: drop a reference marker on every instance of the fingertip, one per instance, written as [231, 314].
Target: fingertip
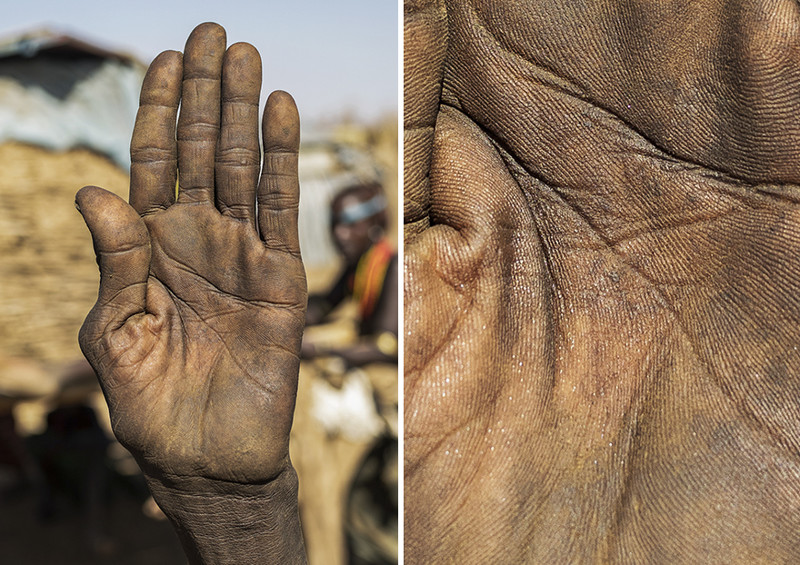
[242, 72]
[167, 57]
[243, 50]
[113, 223]
[209, 28]
[281, 123]
[172, 60]
[162, 82]
[209, 36]
[85, 196]
[282, 97]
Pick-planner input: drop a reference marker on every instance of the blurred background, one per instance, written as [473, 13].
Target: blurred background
[69, 83]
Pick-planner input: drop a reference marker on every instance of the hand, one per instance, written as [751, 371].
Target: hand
[602, 273]
[196, 332]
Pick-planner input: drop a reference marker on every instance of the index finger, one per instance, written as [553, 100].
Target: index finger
[154, 155]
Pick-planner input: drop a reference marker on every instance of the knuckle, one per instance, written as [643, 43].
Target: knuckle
[278, 201]
[149, 154]
[198, 131]
[238, 157]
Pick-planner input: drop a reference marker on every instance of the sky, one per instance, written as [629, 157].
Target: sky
[336, 57]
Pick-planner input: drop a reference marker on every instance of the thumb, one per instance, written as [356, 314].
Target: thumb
[122, 245]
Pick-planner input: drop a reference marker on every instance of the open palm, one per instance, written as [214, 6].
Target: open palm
[601, 294]
[197, 328]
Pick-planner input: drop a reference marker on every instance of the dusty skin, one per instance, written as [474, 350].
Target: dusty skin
[196, 332]
[602, 282]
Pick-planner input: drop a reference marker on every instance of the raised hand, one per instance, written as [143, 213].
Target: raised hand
[196, 332]
[602, 272]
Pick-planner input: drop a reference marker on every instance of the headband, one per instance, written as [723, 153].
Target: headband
[363, 210]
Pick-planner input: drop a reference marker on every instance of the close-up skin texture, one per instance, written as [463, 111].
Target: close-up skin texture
[602, 281]
[196, 332]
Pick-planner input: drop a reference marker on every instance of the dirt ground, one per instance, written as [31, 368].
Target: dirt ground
[135, 538]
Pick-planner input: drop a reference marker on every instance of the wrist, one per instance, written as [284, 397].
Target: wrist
[220, 522]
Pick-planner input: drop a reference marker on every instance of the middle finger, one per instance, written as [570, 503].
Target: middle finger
[198, 124]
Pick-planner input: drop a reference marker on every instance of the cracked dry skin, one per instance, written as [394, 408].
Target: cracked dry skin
[602, 282]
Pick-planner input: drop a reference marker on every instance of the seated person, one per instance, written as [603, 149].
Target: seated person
[369, 277]
[358, 225]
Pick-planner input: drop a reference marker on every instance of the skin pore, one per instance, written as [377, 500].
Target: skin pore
[601, 282]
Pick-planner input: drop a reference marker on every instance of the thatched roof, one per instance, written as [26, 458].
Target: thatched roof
[47, 267]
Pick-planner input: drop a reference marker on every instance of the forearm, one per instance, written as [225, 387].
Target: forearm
[364, 353]
[320, 305]
[228, 523]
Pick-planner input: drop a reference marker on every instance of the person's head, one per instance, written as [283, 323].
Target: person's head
[358, 219]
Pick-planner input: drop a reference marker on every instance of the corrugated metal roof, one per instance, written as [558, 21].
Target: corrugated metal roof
[59, 92]
[33, 42]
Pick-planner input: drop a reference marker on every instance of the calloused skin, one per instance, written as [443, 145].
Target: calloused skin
[602, 282]
[196, 332]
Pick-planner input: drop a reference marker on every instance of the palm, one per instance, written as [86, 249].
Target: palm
[606, 335]
[197, 330]
[220, 389]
